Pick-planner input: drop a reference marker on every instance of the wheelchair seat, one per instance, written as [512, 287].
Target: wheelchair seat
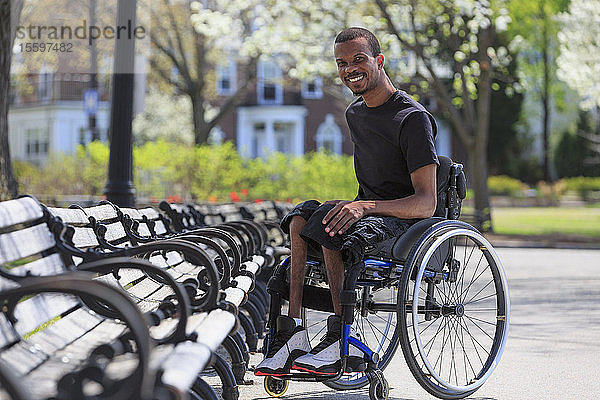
[451, 190]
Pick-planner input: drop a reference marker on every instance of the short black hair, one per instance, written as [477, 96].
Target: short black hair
[356, 32]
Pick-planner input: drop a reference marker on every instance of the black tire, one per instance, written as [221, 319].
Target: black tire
[203, 390]
[379, 388]
[465, 322]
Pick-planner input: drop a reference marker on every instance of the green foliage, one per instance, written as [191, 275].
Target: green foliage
[202, 173]
[573, 151]
[82, 173]
[503, 185]
[588, 188]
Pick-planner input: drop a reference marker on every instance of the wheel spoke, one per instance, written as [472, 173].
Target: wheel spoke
[474, 279]
[473, 319]
[475, 339]
[481, 290]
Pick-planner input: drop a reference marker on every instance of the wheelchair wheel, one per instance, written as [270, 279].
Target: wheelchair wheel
[275, 387]
[453, 310]
[377, 329]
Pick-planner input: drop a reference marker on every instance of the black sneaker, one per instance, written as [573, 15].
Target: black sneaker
[288, 343]
[325, 358]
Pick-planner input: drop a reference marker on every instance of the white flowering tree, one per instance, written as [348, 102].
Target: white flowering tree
[192, 38]
[579, 60]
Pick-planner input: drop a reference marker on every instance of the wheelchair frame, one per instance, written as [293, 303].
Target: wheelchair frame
[418, 265]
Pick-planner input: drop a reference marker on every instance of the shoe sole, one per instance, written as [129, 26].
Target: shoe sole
[286, 367]
[353, 362]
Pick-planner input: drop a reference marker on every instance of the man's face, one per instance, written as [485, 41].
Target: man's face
[357, 67]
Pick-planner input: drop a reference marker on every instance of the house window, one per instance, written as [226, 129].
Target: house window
[329, 136]
[259, 143]
[37, 142]
[284, 136]
[312, 89]
[263, 130]
[226, 78]
[269, 89]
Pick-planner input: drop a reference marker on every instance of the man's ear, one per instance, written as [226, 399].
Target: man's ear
[380, 60]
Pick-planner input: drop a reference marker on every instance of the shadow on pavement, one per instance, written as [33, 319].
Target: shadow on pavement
[362, 394]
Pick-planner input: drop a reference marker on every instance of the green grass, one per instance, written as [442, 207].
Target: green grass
[579, 221]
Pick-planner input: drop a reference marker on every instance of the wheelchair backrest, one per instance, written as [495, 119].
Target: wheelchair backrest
[451, 188]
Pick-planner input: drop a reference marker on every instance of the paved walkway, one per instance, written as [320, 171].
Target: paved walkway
[553, 350]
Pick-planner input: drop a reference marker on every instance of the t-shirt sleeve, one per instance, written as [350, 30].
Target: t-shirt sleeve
[416, 141]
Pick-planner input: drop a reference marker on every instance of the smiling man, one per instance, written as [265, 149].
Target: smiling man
[395, 165]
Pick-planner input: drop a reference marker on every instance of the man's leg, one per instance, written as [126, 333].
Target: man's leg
[325, 358]
[297, 266]
[290, 340]
[335, 276]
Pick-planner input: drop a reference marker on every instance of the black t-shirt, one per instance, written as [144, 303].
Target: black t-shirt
[390, 142]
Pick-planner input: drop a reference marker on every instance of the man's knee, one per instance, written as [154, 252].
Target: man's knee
[296, 225]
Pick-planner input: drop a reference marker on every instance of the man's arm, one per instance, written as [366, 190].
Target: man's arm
[419, 205]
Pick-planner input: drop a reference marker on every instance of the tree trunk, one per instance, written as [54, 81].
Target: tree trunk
[201, 130]
[478, 163]
[8, 184]
[479, 148]
[546, 99]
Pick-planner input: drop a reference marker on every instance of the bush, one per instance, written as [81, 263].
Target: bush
[202, 173]
[503, 185]
[584, 186]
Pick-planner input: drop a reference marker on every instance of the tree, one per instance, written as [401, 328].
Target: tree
[461, 86]
[537, 59]
[164, 117]
[10, 11]
[191, 38]
[579, 60]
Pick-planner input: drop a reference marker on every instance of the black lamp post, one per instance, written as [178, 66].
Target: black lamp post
[119, 188]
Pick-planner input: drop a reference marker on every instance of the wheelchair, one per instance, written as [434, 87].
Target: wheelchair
[439, 292]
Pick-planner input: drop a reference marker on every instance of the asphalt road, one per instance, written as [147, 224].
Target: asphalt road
[553, 350]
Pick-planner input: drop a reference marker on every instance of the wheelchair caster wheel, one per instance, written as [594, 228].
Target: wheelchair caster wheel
[379, 388]
[276, 387]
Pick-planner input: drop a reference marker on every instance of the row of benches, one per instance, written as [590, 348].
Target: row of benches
[109, 303]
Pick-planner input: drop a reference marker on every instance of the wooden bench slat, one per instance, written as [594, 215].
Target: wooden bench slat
[50, 265]
[84, 238]
[18, 211]
[24, 243]
[182, 366]
[115, 231]
[102, 212]
[7, 334]
[131, 212]
[40, 309]
[215, 327]
[71, 216]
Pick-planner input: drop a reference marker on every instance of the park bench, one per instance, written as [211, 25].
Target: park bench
[252, 317]
[68, 336]
[105, 228]
[234, 219]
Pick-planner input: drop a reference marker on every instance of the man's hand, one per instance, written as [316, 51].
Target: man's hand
[344, 214]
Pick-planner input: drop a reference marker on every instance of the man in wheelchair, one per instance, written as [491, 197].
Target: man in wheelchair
[395, 164]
